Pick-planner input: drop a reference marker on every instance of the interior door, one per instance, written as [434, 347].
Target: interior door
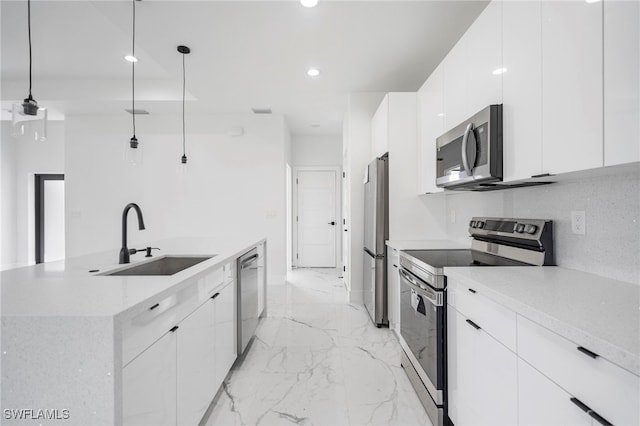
[317, 223]
[49, 217]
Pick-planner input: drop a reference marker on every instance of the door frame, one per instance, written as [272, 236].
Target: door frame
[39, 180]
[338, 209]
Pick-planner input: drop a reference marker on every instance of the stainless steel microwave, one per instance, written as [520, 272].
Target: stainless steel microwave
[469, 156]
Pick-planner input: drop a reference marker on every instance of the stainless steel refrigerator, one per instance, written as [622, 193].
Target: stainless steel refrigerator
[376, 232]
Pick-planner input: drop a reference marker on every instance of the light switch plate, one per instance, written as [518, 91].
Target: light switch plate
[578, 222]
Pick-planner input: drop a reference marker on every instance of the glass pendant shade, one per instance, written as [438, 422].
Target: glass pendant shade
[29, 121]
[133, 152]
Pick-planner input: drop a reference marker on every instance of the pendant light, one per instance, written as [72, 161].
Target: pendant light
[28, 118]
[184, 50]
[133, 150]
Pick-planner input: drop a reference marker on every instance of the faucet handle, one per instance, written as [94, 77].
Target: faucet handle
[148, 249]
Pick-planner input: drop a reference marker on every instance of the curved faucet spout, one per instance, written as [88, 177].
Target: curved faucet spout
[124, 251]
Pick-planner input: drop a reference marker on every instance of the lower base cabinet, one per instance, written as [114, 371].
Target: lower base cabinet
[542, 402]
[483, 380]
[174, 380]
[149, 385]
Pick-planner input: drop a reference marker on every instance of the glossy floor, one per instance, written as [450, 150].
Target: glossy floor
[318, 360]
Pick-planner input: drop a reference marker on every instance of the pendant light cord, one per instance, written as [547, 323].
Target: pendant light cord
[133, 71]
[184, 84]
[29, 29]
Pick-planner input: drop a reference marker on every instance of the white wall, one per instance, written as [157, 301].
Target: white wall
[316, 150]
[235, 185]
[357, 135]
[22, 158]
[612, 205]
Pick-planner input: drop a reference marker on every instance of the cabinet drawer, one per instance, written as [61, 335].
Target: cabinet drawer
[143, 328]
[493, 318]
[605, 388]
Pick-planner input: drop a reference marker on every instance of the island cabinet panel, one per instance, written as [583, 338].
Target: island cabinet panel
[196, 363]
[149, 385]
[225, 334]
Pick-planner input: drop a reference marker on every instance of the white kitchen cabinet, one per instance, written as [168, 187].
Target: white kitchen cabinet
[393, 289]
[521, 90]
[196, 363]
[430, 127]
[469, 81]
[572, 86]
[621, 82]
[225, 332]
[484, 60]
[607, 389]
[482, 376]
[542, 402]
[380, 129]
[149, 385]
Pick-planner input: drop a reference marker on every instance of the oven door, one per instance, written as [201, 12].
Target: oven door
[422, 327]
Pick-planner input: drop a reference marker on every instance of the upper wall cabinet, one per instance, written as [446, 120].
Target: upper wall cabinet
[472, 78]
[430, 126]
[621, 82]
[522, 90]
[572, 86]
[380, 129]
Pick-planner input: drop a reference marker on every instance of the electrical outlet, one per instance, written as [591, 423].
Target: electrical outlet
[578, 222]
[452, 216]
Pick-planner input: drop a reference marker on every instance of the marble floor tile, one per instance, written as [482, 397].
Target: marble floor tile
[318, 360]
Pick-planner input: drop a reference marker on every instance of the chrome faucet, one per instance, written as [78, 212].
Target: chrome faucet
[124, 251]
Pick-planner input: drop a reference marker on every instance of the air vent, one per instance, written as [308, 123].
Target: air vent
[261, 110]
[138, 111]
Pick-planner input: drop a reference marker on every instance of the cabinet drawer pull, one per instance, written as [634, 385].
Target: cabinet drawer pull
[580, 405]
[473, 324]
[395, 266]
[215, 295]
[472, 291]
[154, 306]
[599, 419]
[174, 328]
[587, 352]
[590, 412]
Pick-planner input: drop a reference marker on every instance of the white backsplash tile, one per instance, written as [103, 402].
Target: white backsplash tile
[611, 245]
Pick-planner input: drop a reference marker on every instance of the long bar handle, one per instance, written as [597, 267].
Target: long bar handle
[428, 294]
[465, 140]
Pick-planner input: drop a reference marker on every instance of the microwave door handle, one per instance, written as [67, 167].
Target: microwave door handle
[465, 140]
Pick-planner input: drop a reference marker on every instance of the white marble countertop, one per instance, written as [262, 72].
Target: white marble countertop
[67, 288]
[598, 313]
[428, 244]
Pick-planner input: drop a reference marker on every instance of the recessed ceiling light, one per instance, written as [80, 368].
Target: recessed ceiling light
[309, 3]
[499, 71]
[313, 72]
[131, 58]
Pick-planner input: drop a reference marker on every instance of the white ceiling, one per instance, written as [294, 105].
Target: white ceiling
[245, 54]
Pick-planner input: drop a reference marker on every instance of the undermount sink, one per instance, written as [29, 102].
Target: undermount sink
[167, 265]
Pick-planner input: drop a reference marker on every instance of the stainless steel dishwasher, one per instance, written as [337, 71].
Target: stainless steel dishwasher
[247, 298]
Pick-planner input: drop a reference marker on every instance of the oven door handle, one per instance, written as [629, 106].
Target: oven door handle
[433, 297]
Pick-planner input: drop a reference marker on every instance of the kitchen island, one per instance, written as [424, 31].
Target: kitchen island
[83, 348]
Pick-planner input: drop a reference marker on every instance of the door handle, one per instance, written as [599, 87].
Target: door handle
[332, 223]
[465, 140]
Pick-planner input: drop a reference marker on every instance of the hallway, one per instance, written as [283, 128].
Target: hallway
[318, 360]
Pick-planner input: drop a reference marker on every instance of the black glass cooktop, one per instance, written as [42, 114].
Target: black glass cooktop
[443, 258]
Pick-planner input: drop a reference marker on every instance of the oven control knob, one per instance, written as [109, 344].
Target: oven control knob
[530, 229]
[520, 228]
[480, 224]
[472, 224]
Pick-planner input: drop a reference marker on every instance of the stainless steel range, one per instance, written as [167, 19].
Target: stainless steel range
[495, 242]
